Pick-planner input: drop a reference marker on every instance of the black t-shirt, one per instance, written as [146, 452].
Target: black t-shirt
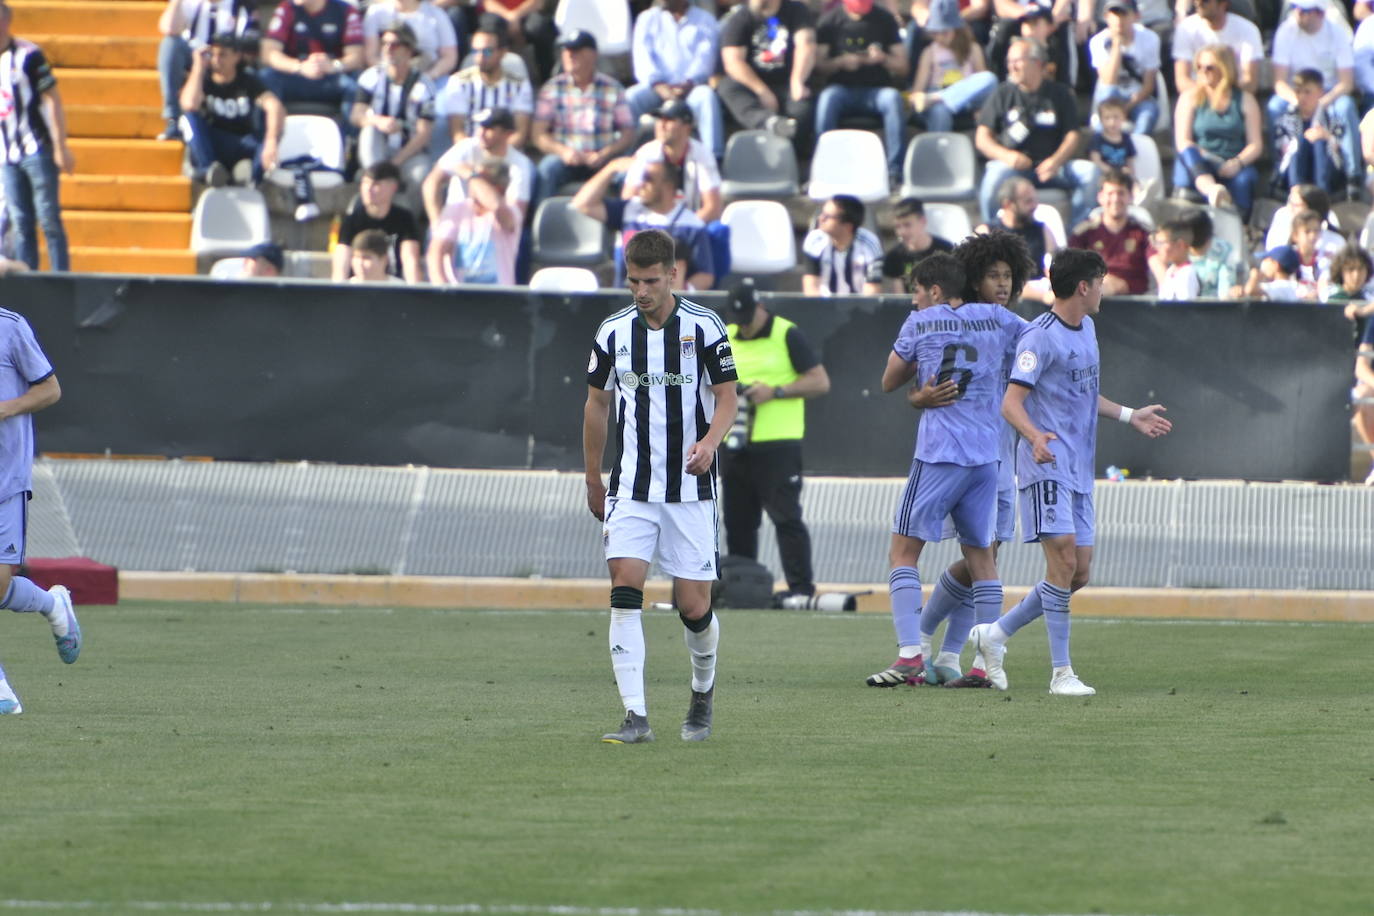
[843, 35]
[398, 224]
[232, 106]
[900, 260]
[769, 41]
[1033, 123]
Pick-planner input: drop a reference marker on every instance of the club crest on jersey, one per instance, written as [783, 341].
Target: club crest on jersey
[1026, 361]
[591, 363]
[689, 348]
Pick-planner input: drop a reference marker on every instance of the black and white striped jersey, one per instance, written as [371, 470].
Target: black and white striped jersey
[845, 271]
[410, 100]
[662, 400]
[466, 93]
[25, 75]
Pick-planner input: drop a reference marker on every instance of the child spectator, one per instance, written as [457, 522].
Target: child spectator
[1307, 151]
[952, 76]
[1314, 265]
[1349, 280]
[371, 252]
[1126, 57]
[1304, 197]
[1111, 146]
[1275, 278]
[914, 245]
[1175, 276]
[1215, 263]
[1363, 418]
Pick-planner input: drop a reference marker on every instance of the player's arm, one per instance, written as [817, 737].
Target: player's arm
[1014, 412]
[590, 199]
[931, 394]
[410, 261]
[594, 423]
[703, 452]
[1364, 365]
[897, 372]
[40, 395]
[1146, 420]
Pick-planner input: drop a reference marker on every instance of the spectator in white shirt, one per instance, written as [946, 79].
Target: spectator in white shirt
[675, 49]
[1126, 57]
[1214, 24]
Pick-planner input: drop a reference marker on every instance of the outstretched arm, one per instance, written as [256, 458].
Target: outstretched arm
[1014, 412]
[1148, 421]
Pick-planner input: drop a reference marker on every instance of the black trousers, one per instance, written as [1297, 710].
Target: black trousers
[768, 478]
[744, 106]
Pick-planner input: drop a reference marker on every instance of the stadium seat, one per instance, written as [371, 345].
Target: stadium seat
[1053, 221]
[609, 22]
[1166, 108]
[940, 166]
[1367, 233]
[762, 240]
[759, 164]
[310, 135]
[228, 220]
[564, 280]
[1149, 172]
[1228, 226]
[565, 237]
[849, 162]
[227, 269]
[949, 221]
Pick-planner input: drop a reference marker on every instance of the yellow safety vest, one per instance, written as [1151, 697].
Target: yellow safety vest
[765, 359]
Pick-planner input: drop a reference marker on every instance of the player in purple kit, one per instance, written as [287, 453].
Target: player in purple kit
[1053, 403]
[27, 384]
[954, 472]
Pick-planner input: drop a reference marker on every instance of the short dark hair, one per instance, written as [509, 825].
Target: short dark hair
[1350, 256]
[1072, 266]
[492, 24]
[373, 241]
[1200, 221]
[908, 206]
[1112, 101]
[851, 209]
[382, 170]
[1315, 197]
[1308, 218]
[1179, 229]
[672, 172]
[649, 247]
[1307, 76]
[942, 270]
[978, 253]
[1119, 177]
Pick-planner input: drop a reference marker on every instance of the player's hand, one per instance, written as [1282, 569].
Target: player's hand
[64, 160]
[1040, 448]
[933, 395]
[269, 156]
[596, 498]
[1045, 170]
[1148, 422]
[758, 393]
[700, 457]
[1020, 161]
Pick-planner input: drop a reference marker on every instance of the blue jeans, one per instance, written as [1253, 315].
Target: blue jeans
[1344, 115]
[885, 102]
[335, 89]
[966, 95]
[1191, 163]
[1311, 164]
[173, 63]
[705, 107]
[1078, 177]
[208, 145]
[1144, 116]
[31, 196]
[553, 174]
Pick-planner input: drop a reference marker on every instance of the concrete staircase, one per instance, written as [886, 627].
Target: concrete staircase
[128, 208]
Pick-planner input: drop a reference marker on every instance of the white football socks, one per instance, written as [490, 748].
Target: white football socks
[702, 646]
[627, 658]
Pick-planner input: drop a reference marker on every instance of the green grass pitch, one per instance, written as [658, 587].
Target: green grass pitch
[227, 758]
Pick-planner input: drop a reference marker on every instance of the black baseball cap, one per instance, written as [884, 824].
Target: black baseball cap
[494, 117]
[577, 39]
[676, 110]
[269, 251]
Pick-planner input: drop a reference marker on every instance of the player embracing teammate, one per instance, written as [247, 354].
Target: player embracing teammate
[1052, 406]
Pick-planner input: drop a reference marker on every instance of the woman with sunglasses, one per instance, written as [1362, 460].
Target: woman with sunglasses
[1217, 133]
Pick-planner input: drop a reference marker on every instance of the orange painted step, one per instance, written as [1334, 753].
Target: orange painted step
[108, 87]
[81, 17]
[126, 157]
[118, 52]
[126, 192]
[97, 260]
[114, 121]
[111, 228]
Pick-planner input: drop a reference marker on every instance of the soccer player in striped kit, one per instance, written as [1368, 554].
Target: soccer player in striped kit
[662, 371]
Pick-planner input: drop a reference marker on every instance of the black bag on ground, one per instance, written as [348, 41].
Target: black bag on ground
[743, 583]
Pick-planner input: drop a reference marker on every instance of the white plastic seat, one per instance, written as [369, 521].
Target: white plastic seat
[228, 220]
[762, 240]
[1228, 226]
[310, 135]
[1165, 121]
[608, 20]
[1149, 172]
[940, 167]
[227, 269]
[564, 280]
[1050, 216]
[949, 221]
[565, 237]
[849, 162]
[759, 164]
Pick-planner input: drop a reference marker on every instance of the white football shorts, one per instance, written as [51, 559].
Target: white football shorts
[683, 534]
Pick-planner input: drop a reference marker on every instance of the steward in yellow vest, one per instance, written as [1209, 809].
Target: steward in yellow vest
[761, 458]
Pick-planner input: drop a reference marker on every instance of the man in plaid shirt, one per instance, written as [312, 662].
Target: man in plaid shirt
[581, 119]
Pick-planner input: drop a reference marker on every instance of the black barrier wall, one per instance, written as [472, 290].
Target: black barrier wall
[495, 377]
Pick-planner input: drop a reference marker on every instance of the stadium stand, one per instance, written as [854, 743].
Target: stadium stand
[227, 221]
[127, 209]
[940, 167]
[564, 237]
[759, 164]
[761, 237]
[849, 162]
